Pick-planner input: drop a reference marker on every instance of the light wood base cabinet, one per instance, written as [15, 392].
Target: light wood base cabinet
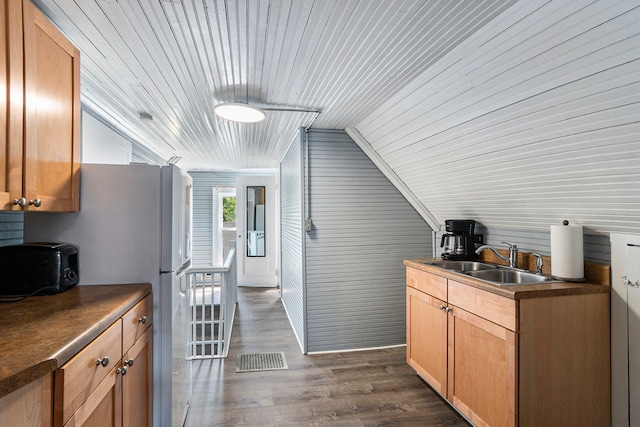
[506, 362]
[30, 405]
[109, 383]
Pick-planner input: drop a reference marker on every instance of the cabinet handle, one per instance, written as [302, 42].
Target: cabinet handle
[104, 361]
[142, 319]
[122, 370]
[442, 307]
[37, 203]
[448, 309]
[129, 362]
[21, 201]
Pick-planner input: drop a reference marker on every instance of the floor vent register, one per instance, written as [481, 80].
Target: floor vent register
[261, 362]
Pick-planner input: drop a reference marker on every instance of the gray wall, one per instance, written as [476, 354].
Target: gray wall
[292, 238]
[362, 230]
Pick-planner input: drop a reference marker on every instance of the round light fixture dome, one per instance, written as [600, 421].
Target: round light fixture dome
[237, 112]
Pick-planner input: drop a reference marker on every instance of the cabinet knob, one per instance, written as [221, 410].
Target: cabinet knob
[448, 309]
[129, 362]
[104, 361]
[442, 307]
[142, 319]
[37, 203]
[122, 370]
[21, 201]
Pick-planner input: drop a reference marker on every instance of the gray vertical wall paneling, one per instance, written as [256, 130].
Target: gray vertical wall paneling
[11, 228]
[363, 229]
[291, 229]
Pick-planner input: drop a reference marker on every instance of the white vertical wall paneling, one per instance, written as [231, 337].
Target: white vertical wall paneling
[532, 120]
[362, 230]
[390, 174]
[292, 245]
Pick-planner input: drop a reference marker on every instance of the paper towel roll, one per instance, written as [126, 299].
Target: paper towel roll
[567, 252]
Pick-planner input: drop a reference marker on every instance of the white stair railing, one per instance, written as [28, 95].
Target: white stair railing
[213, 299]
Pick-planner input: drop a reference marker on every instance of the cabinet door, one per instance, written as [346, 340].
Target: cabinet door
[29, 406]
[427, 338]
[52, 115]
[11, 103]
[137, 392]
[103, 408]
[482, 369]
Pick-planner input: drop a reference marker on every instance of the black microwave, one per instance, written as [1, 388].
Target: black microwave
[37, 268]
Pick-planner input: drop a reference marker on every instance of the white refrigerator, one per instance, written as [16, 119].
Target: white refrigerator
[134, 226]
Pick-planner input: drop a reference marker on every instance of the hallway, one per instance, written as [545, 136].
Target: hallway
[365, 388]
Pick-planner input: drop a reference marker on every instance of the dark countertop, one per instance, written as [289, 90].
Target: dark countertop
[538, 290]
[39, 334]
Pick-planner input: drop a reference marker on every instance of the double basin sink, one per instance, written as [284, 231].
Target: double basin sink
[498, 275]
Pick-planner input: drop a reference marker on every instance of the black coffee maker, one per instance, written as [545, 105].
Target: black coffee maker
[457, 243]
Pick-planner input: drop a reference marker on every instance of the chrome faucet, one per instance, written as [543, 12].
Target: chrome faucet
[513, 253]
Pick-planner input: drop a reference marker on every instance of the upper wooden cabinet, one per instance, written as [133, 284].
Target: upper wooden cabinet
[40, 120]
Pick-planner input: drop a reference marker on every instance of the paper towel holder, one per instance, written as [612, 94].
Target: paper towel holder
[567, 253]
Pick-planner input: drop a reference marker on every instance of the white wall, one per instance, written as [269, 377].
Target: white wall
[101, 144]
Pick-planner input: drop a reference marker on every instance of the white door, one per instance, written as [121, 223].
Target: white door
[256, 230]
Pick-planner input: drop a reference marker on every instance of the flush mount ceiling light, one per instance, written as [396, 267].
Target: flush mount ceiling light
[237, 112]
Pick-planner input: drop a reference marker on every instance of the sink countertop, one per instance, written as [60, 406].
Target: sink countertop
[534, 290]
[41, 333]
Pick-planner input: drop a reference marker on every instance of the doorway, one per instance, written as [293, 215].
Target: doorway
[256, 231]
[224, 222]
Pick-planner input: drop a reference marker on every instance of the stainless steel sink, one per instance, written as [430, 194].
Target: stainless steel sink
[461, 265]
[505, 277]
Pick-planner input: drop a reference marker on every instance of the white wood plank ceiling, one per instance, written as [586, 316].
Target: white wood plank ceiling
[177, 59]
[532, 120]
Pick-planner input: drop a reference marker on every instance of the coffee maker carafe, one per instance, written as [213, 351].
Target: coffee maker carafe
[457, 243]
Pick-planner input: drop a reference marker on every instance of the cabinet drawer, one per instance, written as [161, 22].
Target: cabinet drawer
[136, 321]
[427, 282]
[489, 306]
[78, 378]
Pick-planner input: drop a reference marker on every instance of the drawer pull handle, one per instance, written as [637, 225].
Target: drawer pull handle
[122, 370]
[142, 319]
[104, 361]
[129, 362]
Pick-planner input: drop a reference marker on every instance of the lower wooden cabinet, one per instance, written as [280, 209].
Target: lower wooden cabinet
[507, 362]
[137, 390]
[482, 369]
[427, 338]
[109, 383]
[30, 405]
[103, 407]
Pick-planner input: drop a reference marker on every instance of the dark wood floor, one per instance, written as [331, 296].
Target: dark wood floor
[364, 388]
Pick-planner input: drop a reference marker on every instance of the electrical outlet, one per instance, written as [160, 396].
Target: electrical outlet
[308, 225]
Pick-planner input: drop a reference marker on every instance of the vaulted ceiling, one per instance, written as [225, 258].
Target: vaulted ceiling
[177, 59]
